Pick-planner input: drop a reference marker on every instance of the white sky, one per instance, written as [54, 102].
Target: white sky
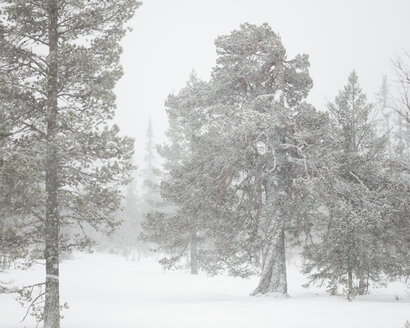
[171, 38]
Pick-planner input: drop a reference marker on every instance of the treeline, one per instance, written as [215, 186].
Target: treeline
[253, 170]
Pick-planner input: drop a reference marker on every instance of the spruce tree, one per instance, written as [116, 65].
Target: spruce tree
[356, 201]
[125, 239]
[59, 64]
[175, 229]
[150, 176]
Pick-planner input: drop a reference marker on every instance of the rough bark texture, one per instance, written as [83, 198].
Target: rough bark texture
[52, 297]
[194, 251]
[273, 279]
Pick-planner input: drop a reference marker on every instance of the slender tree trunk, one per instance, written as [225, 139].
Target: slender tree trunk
[52, 297]
[273, 279]
[194, 251]
[349, 284]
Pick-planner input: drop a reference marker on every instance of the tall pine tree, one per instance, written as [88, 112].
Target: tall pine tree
[238, 142]
[262, 92]
[59, 64]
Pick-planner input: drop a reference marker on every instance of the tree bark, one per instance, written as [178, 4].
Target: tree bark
[273, 279]
[51, 254]
[363, 285]
[194, 250]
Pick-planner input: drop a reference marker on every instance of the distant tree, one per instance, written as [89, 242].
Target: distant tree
[59, 64]
[125, 238]
[148, 200]
[150, 176]
[383, 111]
[175, 230]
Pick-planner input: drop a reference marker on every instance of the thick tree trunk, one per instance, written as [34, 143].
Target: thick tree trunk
[52, 297]
[194, 250]
[273, 279]
[363, 285]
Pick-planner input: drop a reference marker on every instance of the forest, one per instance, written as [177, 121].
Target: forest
[252, 177]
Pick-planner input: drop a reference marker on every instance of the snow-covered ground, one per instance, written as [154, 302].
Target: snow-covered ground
[107, 291]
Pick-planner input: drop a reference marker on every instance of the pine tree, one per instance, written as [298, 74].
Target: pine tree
[59, 64]
[255, 80]
[238, 142]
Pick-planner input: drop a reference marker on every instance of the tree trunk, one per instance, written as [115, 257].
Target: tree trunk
[51, 254]
[273, 279]
[194, 251]
[363, 285]
[349, 284]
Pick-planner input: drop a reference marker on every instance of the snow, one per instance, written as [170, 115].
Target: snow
[107, 291]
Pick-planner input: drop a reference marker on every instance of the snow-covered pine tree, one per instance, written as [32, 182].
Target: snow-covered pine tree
[59, 64]
[262, 92]
[239, 160]
[356, 201]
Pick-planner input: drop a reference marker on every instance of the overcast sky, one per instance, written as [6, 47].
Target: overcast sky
[172, 38]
